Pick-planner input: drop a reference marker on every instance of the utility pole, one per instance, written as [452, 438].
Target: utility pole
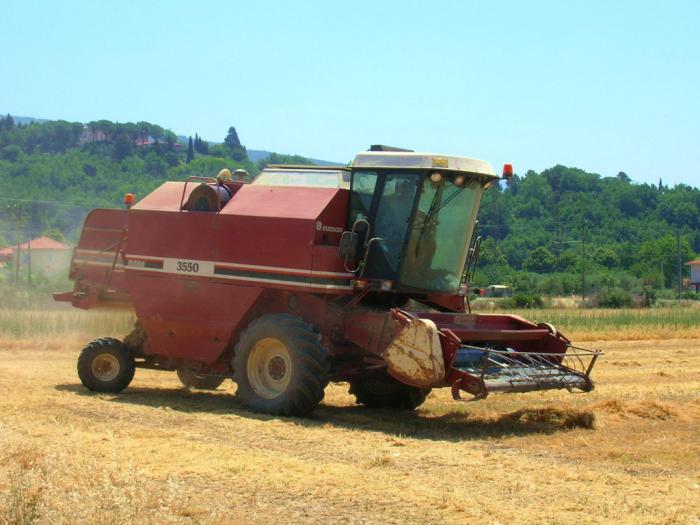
[583, 267]
[558, 243]
[18, 225]
[29, 262]
[663, 275]
[680, 262]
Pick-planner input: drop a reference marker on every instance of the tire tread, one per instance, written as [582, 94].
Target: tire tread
[310, 362]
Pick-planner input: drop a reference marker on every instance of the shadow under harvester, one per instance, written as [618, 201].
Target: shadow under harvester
[451, 426]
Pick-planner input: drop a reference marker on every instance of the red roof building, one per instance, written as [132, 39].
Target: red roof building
[40, 243]
[43, 254]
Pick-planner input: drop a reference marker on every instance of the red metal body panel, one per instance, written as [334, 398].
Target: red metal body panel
[281, 202]
[97, 266]
[190, 318]
[280, 238]
[275, 238]
[275, 227]
[519, 333]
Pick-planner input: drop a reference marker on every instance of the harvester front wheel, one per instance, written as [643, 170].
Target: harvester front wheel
[383, 391]
[197, 381]
[106, 365]
[280, 366]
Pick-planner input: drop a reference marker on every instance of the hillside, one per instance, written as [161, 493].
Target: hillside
[544, 232]
[257, 155]
[56, 171]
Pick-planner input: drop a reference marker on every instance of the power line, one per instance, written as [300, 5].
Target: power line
[52, 203]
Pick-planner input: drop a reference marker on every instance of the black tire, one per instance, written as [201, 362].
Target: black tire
[295, 374]
[191, 379]
[383, 391]
[106, 365]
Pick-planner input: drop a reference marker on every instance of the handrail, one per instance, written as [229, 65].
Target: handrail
[352, 230]
[363, 264]
[108, 275]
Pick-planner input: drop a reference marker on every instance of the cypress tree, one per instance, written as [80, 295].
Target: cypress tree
[190, 151]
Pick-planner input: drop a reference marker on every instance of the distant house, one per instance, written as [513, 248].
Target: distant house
[90, 134]
[695, 274]
[48, 257]
[143, 142]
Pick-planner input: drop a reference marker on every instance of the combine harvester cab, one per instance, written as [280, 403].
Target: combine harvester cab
[308, 275]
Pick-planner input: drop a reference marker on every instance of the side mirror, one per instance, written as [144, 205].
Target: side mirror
[348, 247]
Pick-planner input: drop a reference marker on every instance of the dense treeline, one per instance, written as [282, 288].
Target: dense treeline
[547, 232]
[60, 170]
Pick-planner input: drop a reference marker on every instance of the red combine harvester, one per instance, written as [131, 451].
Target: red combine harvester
[308, 275]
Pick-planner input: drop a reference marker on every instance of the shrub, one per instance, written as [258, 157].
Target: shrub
[615, 298]
[648, 297]
[11, 153]
[524, 300]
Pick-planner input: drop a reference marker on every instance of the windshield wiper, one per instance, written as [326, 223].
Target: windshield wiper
[435, 206]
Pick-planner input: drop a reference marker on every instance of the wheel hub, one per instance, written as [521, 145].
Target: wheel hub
[269, 367]
[276, 368]
[105, 367]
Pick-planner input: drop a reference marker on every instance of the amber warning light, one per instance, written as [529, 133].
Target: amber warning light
[129, 199]
[507, 171]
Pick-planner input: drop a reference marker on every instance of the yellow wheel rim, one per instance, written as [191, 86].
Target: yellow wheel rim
[269, 367]
[105, 367]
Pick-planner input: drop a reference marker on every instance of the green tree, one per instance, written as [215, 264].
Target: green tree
[201, 146]
[232, 141]
[662, 254]
[7, 123]
[11, 153]
[190, 150]
[522, 282]
[155, 165]
[219, 150]
[624, 177]
[540, 260]
[606, 256]
[679, 206]
[279, 158]
[54, 233]
[123, 147]
[236, 149]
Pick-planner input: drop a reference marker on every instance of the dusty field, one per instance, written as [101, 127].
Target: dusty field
[158, 453]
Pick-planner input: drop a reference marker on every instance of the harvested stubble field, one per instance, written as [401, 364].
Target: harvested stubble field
[627, 453]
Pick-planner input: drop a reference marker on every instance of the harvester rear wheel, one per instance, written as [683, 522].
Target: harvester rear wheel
[280, 366]
[197, 381]
[383, 391]
[106, 365]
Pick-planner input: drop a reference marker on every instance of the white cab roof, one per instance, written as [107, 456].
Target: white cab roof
[403, 159]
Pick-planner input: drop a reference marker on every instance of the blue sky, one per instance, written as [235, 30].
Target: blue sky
[604, 86]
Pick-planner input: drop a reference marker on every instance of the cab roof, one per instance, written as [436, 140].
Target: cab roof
[414, 160]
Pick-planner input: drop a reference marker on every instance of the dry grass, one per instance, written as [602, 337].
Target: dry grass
[627, 453]
[633, 324]
[595, 324]
[63, 320]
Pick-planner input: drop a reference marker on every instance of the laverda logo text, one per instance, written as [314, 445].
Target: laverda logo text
[333, 229]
